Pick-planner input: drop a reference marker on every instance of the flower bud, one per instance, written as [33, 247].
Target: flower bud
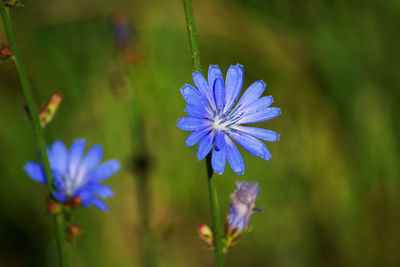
[74, 202]
[73, 232]
[205, 234]
[46, 115]
[53, 207]
[241, 208]
[5, 52]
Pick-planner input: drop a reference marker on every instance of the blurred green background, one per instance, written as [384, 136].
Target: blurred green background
[331, 192]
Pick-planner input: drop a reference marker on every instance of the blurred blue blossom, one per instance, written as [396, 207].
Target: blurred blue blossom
[242, 206]
[76, 175]
[121, 31]
[212, 118]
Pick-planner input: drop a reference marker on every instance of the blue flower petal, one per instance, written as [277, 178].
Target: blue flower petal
[219, 93]
[75, 156]
[263, 115]
[89, 163]
[260, 133]
[60, 196]
[205, 146]
[35, 171]
[218, 159]
[100, 204]
[58, 181]
[252, 93]
[198, 111]
[235, 159]
[219, 140]
[196, 136]
[258, 105]
[202, 84]
[193, 96]
[86, 197]
[238, 221]
[192, 124]
[104, 171]
[233, 85]
[92, 159]
[58, 156]
[101, 190]
[214, 73]
[251, 144]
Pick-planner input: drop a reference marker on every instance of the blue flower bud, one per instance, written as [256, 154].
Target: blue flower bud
[242, 207]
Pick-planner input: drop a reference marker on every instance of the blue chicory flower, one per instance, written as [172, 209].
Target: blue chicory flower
[76, 175]
[242, 206]
[212, 118]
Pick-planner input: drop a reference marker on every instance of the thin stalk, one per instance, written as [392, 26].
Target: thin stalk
[148, 254]
[192, 34]
[37, 129]
[141, 168]
[212, 188]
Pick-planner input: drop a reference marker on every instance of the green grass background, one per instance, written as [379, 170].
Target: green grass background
[331, 192]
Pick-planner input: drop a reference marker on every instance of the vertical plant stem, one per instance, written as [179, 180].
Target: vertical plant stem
[37, 129]
[192, 34]
[63, 259]
[148, 255]
[141, 168]
[212, 188]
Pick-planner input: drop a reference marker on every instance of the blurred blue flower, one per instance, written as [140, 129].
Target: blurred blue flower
[121, 31]
[212, 118]
[76, 175]
[242, 206]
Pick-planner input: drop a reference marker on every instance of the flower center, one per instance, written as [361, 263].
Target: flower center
[221, 122]
[224, 121]
[69, 185]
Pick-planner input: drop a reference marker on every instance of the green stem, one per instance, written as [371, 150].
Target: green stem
[192, 34]
[38, 131]
[61, 241]
[212, 188]
[149, 258]
[141, 169]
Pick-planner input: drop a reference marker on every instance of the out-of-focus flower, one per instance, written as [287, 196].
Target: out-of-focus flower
[213, 119]
[76, 175]
[122, 31]
[125, 38]
[49, 110]
[241, 208]
[205, 234]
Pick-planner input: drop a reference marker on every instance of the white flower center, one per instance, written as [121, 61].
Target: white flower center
[221, 122]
